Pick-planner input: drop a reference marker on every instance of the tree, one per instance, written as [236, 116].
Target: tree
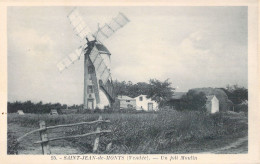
[119, 88]
[160, 91]
[130, 89]
[193, 101]
[236, 93]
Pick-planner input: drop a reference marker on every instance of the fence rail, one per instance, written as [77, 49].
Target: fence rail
[45, 140]
[74, 136]
[59, 126]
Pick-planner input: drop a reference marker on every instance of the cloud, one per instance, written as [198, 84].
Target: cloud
[30, 58]
[32, 43]
[193, 44]
[158, 58]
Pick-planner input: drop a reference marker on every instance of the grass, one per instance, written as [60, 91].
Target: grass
[146, 133]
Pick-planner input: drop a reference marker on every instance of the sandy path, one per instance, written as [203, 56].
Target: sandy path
[240, 146]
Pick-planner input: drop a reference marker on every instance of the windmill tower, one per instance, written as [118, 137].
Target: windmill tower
[98, 86]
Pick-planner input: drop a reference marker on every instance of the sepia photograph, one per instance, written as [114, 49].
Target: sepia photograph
[128, 82]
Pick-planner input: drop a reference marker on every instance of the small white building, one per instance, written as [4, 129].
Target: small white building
[20, 112]
[147, 104]
[212, 104]
[54, 112]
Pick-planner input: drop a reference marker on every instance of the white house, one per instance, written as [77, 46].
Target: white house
[147, 104]
[212, 104]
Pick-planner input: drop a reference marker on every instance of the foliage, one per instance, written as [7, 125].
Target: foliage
[12, 144]
[160, 91]
[239, 97]
[241, 108]
[130, 89]
[30, 107]
[236, 93]
[75, 106]
[97, 110]
[193, 101]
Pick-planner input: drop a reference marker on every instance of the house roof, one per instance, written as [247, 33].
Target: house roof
[123, 97]
[178, 95]
[141, 95]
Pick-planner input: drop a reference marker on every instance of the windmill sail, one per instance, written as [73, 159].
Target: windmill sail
[109, 29]
[71, 58]
[102, 70]
[79, 26]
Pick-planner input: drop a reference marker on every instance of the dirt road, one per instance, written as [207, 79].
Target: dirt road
[240, 146]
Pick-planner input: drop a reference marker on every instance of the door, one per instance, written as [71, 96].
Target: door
[90, 104]
[150, 106]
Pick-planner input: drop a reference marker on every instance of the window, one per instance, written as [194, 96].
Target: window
[90, 89]
[127, 100]
[141, 98]
[129, 106]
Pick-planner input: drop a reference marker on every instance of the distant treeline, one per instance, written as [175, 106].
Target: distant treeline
[31, 107]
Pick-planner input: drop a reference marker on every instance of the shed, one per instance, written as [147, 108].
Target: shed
[212, 104]
[125, 102]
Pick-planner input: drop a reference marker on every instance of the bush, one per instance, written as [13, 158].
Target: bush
[83, 111]
[108, 110]
[241, 108]
[193, 101]
[12, 143]
[97, 110]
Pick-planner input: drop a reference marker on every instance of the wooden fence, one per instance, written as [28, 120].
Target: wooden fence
[45, 140]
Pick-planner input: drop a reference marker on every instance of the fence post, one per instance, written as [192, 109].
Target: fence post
[108, 148]
[44, 137]
[96, 142]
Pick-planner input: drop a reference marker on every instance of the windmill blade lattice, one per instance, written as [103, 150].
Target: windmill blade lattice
[109, 29]
[71, 58]
[102, 71]
[79, 26]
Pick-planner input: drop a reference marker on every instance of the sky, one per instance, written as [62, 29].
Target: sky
[192, 46]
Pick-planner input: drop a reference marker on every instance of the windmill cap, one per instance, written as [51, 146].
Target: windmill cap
[102, 49]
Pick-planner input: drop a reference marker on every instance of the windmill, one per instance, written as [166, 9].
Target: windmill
[98, 86]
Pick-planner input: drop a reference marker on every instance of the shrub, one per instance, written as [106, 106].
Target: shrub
[193, 101]
[108, 110]
[84, 111]
[241, 108]
[97, 110]
[12, 143]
